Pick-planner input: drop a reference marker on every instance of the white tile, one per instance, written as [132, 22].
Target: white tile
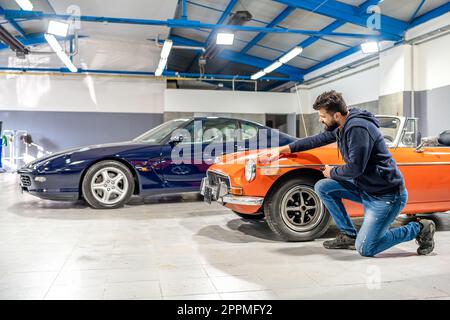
[133, 275]
[213, 296]
[82, 278]
[250, 295]
[74, 292]
[133, 290]
[238, 283]
[187, 287]
[173, 271]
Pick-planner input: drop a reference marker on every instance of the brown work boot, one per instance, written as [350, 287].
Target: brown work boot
[425, 239]
[342, 241]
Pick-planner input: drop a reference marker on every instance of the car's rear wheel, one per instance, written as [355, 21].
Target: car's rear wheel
[254, 216]
[295, 212]
[108, 185]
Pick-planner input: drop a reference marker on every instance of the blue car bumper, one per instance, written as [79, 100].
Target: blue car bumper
[62, 187]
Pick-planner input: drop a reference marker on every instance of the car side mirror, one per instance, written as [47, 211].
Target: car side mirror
[427, 141]
[176, 140]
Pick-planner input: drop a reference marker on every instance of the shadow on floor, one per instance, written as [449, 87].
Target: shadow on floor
[240, 231]
[247, 231]
[80, 210]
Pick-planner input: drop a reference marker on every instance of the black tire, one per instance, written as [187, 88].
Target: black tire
[254, 216]
[93, 171]
[319, 218]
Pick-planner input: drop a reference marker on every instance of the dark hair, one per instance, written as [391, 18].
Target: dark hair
[332, 102]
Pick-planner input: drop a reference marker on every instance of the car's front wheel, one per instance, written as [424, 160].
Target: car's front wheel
[108, 185]
[295, 212]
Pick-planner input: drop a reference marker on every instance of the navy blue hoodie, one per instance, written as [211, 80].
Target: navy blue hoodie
[368, 161]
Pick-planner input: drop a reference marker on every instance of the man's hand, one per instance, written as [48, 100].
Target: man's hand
[273, 154]
[327, 171]
[270, 156]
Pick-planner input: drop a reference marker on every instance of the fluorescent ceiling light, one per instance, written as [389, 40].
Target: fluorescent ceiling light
[161, 66]
[58, 28]
[162, 63]
[25, 4]
[54, 44]
[258, 75]
[272, 67]
[167, 47]
[226, 39]
[158, 72]
[291, 55]
[370, 47]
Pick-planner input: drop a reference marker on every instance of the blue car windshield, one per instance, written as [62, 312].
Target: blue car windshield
[160, 132]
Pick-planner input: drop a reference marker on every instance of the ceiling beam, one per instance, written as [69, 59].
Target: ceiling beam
[417, 21]
[366, 5]
[259, 63]
[241, 58]
[15, 25]
[439, 11]
[283, 15]
[392, 29]
[221, 20]
[417, 10]
[334, 58]
[333, 26]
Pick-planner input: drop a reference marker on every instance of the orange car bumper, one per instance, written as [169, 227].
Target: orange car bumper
[243, 209]
[241, 204]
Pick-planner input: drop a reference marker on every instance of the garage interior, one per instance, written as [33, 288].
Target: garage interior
[175, 246]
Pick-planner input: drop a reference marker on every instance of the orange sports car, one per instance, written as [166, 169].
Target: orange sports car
[283, 191]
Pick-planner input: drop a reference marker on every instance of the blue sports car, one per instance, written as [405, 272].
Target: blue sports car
[106, 176]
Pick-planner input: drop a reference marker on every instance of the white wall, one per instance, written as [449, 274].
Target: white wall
[357, 88]
[229, 101]
[432, 64]
[395, 70]
[81, 94]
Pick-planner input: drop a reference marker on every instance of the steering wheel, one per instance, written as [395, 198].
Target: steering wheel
[388, 139]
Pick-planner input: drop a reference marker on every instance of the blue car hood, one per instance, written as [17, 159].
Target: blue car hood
[99, 149]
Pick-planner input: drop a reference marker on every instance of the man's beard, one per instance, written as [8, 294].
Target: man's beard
[331, 127]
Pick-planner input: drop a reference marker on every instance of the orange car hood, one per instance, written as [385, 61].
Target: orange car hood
[233, 164]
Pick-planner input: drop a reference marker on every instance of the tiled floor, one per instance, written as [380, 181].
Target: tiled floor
[185, 249]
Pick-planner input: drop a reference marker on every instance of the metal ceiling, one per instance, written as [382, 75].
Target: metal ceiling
[328, 30]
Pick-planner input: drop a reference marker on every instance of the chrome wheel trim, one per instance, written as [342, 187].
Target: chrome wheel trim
[301, 209]
[109, 185]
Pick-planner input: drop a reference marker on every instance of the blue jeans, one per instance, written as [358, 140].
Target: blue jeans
[379, 212]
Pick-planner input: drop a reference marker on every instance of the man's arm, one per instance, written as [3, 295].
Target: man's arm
[360, 146]
[319, 140]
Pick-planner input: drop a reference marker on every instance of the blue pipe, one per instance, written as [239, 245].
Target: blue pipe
[183, 10]
[172, 23]
[144, 73]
